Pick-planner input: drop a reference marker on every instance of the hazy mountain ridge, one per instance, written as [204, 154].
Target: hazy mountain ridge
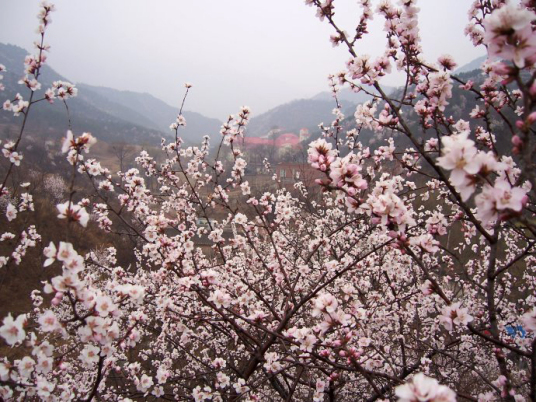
[293, 116]
[111, 115]
[346, 95]
[125, 116]
[307, 113]
[471, 66]
[50, 120]
[151, 112]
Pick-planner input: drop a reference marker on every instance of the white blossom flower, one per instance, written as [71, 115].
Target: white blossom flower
[424, 389]
[145, 383]
[48, 321]
[12, 330]
[89, 355]
[11, 212]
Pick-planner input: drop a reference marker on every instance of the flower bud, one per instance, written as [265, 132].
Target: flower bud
[517, 141]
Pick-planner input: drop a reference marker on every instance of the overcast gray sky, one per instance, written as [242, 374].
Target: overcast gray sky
[234, 52]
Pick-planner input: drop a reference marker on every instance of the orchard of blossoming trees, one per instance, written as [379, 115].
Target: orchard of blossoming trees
[372, 292]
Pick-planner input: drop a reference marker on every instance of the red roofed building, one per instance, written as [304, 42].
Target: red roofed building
[290, 140]
[287, 140]
[274, 147]
[251, 142]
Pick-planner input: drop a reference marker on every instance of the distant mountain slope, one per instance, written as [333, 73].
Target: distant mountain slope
[459, 106]
[346, 95]
[292, 116]
[307, 113]
[48, 120]
[148, 111]
[110, 106]
[472, 65]
[111, 115]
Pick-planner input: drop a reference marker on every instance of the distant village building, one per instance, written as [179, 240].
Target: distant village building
[304, 134]
[282, 142]
[253, 142]
[275, 147]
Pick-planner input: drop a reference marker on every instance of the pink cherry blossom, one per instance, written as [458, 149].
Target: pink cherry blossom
[74, 212]
[90, 355]
[320, 154]
[26, 366]
[499, 198]
[11, 212]
[423, 388]
[12, 329]
[48, 321]
[50, 253]
[453, 314]
[509, 35]
[529, 320]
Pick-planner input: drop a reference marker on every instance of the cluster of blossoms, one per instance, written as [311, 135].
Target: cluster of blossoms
[180, 122]
[55, 186]
[386, 207]
[32, 66]
[344, 174]
[321, 155]
[13, 330]
[437, 88]
[8, 150]
[468, 164]
[234, 127]
[365, 117]
[423, 388]
[454, 315]
[74, 146]
[16, 108]
[28, 238]
[62, 90]
[361, 68]
[509, 34]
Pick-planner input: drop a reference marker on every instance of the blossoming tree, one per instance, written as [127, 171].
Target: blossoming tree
[369, 295]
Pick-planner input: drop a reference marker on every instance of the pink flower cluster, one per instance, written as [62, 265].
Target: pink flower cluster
[424, 389]
[74, 146]
[509, 34]
[234, 128]
[468, 166]
[321, 155]
[16, 108]
[453, 315]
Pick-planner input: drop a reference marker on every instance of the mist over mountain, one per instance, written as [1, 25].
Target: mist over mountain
[293, 116]
[346, 95]
[140, 118]
[109, 114]
[308, 113]
[147, 111]
[471, 66]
